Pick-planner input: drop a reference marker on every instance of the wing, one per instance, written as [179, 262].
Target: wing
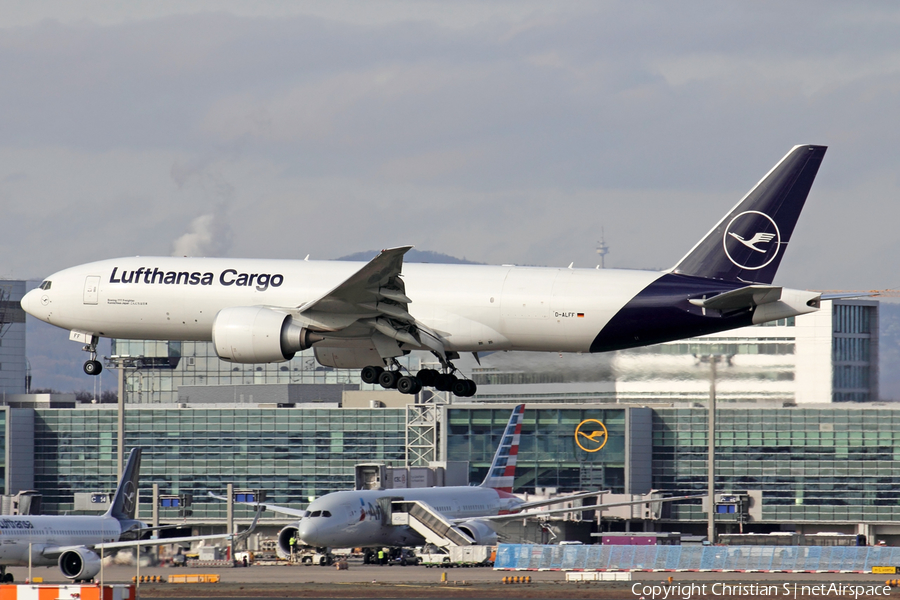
[53, 552]
[559, 511]
[294, 512]
[371, 301]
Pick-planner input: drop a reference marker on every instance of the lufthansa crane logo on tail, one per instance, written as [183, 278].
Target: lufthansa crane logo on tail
[591, 435]
[751, 240]
[129, 496]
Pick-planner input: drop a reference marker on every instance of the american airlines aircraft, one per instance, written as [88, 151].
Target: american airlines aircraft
[362, 518]
[73, 542]
[365, 315]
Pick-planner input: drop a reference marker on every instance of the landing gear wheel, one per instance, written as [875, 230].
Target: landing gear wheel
[7, 578]
[427, 377]
[93, 367]
[389, 379]
[408, 385]
[464, 388]
[444, 382]
[370, 374]
[460, 387]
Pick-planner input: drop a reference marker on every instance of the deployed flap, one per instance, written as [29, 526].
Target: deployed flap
[745, 297]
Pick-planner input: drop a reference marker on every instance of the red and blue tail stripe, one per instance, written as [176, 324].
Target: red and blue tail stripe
[502, 473]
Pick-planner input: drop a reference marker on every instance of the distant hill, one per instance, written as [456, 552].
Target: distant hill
[414, 256]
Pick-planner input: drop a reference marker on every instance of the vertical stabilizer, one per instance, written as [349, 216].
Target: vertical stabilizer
[748, 243]
[125, 500]
[503, 470]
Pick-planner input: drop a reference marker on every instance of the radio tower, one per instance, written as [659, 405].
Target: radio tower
[602, 250]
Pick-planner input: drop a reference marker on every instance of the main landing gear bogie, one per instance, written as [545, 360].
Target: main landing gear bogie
[409, 384]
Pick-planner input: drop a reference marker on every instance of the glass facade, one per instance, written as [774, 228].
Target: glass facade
[548, 455]
[855, 352]
[811, 464]
[163, 366]
[292, 454]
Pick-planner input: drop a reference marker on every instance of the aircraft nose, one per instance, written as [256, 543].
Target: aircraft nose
[306, 531]
[31, 303]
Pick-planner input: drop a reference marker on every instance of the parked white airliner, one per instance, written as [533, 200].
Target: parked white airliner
[364, 315]
[73, 542]
[362, 518]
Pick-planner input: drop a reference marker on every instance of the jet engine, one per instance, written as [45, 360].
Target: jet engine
[481, 532]
[80, 564]
[283, 548]
[253, 334]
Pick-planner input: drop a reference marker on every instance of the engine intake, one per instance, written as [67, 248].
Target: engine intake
[480, 531]
[284, 539]
[79, 564]
[254, 334]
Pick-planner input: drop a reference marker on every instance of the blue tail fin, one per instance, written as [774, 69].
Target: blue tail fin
[748, 243]
[125, 500]
[501, 475]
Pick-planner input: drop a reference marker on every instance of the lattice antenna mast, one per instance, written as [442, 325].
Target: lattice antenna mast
[4, 309]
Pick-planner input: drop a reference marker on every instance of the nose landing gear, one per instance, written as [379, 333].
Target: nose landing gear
[92, 366]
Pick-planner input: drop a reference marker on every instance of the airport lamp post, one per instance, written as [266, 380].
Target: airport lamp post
[713, 360]
[121, 363]
[711, 489]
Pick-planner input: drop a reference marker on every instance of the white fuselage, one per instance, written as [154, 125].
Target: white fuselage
[356, 519]
[474, 307]
[40, 532]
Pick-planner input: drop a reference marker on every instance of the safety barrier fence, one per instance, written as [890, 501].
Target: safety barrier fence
[805, 559]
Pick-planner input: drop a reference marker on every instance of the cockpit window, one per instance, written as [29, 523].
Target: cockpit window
[46, 285]
[326, 513]
[315, 513]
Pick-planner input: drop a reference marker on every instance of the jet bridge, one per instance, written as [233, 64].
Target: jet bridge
[428, 523]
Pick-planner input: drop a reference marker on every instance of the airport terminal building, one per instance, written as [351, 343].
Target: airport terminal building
[798, 427]
[816, 468]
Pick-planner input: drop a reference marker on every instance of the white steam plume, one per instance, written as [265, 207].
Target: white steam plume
[210, 235]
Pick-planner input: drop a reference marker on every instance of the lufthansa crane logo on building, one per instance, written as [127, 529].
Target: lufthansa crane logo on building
[751, 240]
[591, 435]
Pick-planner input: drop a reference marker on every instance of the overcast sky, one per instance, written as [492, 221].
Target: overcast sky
[503, 132]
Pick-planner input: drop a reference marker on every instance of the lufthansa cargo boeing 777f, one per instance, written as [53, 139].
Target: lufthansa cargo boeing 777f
[365, 315]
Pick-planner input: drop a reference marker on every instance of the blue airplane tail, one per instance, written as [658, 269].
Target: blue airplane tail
[125, 499]
[748, 244]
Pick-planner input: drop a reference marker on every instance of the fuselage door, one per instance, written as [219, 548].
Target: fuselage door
[91, 289]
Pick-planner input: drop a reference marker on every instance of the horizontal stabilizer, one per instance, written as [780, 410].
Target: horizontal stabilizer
[745, 297]
[847, 295]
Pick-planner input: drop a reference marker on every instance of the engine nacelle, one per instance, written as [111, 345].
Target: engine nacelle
[480, 531]
[283, 547]
[254, 334]
[79, 564]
